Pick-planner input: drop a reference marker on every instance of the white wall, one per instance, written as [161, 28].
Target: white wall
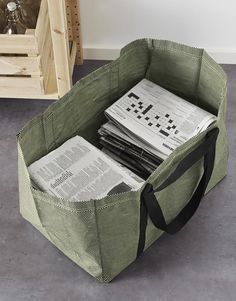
[107, 25]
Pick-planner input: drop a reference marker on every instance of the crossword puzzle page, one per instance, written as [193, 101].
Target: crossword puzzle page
[158, 117]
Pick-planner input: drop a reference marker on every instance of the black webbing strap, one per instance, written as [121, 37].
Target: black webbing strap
[150, 206]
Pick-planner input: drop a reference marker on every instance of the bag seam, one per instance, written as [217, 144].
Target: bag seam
[99, 240]
[191, 55]
[73, 210]
[198, 80]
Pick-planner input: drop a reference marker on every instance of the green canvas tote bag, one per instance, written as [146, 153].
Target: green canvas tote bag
[104, 236]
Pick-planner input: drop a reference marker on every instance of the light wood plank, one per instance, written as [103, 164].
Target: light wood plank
[42, 24]
[16, 86]
[20, 65]
[51, 88]
[18, 44]
[58, 22]
[46, 57]
[32, 31]
[50, 94]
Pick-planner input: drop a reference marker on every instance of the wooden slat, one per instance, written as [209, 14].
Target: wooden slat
[10, 65]
[16, 86]
[58, 22]
[42, 24]
[32, 31]
[51, 89]
[18, 44]
[49, 94]
[47, 57]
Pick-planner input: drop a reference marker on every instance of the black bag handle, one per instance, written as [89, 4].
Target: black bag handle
[149, 203]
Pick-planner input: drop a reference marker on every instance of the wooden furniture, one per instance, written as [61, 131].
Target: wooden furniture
[39, 64]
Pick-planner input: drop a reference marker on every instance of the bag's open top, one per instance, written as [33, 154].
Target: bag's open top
[186, 71]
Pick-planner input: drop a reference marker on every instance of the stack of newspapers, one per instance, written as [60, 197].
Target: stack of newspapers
[78, 171]
[144, 127]
[147, 124]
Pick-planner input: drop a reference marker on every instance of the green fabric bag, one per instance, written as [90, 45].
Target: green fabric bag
[105, 236]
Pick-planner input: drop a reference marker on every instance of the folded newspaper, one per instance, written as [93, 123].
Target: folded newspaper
[127, 151]
[78, 171]
[154, 120]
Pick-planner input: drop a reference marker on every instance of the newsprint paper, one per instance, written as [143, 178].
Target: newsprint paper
[78, 171]
[160, 120]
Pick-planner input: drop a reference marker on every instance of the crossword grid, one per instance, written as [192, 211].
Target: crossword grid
[147, 116]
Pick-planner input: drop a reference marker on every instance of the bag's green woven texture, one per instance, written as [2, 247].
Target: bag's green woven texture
[101, 236]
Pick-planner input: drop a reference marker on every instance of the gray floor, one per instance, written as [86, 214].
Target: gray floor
[199, 263]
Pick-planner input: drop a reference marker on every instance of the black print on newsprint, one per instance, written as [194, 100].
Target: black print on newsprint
[144, 113]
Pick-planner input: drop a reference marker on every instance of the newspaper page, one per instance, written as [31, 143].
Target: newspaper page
[78, 171]
[157, 117]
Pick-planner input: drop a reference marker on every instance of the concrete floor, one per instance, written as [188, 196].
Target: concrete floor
[197, 264]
